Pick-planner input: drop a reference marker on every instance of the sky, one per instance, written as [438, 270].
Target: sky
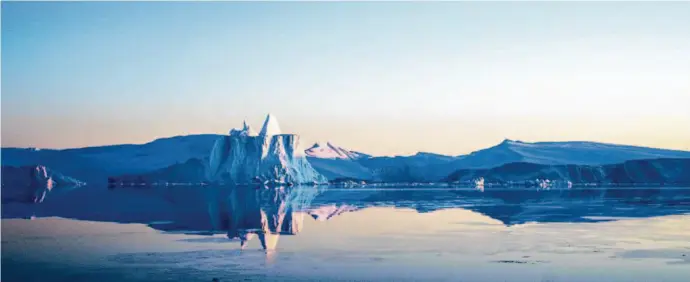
[381, 78]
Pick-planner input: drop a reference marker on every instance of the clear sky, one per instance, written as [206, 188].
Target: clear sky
[383, 78]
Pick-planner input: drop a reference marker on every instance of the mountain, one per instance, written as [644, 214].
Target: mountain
[335, 162]
[579, 153]
[68, 163]
[551, 153]
[193, 171]
[153, 155]
[670, 171]
[95, 164]
[31, 184]
[341, 168]
[425, 167]
[330, 151]
[420, 167]
[242, 157]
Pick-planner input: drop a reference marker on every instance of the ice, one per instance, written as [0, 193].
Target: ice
[245, 131]
[31, 184]
[270, 157]
[270, 127]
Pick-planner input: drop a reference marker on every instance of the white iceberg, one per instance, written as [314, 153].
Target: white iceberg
[243, 157]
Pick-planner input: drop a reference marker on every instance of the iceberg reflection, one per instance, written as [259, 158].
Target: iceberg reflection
[266, 213]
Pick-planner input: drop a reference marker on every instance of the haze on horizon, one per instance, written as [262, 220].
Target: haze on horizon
[381, 78]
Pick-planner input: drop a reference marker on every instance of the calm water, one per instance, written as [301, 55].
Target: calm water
[307, 233]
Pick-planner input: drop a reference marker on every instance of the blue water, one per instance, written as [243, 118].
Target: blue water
[180, 233]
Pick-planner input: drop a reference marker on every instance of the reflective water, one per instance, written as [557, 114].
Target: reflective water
[316, 233]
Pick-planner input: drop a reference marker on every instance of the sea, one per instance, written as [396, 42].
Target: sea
[319, 233]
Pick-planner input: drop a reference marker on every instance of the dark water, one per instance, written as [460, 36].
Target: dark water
[197, 233]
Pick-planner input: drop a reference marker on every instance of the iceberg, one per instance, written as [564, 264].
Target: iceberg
[269, 157]
[31, 184]
[270, 127]
[267, 213]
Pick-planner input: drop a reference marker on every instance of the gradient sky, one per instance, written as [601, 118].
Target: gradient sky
[383, 78]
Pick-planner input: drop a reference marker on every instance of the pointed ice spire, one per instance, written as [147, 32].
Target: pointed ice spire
[245, 131]
[270, 127]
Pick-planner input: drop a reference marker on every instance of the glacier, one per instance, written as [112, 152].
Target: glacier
[243, 157]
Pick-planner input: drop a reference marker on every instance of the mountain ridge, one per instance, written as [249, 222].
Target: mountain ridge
[215, 135]
[662, 170]
[95, 164]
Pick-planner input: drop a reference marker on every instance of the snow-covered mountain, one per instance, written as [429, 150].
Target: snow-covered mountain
[243, 157]
[335, 162]
[31, 184]
[329, 151]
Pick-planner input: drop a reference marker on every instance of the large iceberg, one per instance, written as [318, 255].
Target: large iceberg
[244, 157]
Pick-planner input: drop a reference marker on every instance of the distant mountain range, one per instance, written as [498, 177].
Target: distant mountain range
[187, 158]
[658, 171]
[95, 164]
[423, 167]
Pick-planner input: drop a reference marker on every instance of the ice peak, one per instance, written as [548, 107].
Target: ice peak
[245, 131]
[270, 127]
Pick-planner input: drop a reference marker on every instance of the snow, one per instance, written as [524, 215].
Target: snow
[245, 131]
[329, 151]
[270, 127]
[336, 162]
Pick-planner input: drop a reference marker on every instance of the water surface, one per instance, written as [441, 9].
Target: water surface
[310, 233]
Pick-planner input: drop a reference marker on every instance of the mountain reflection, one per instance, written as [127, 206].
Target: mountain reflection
[266, 213]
